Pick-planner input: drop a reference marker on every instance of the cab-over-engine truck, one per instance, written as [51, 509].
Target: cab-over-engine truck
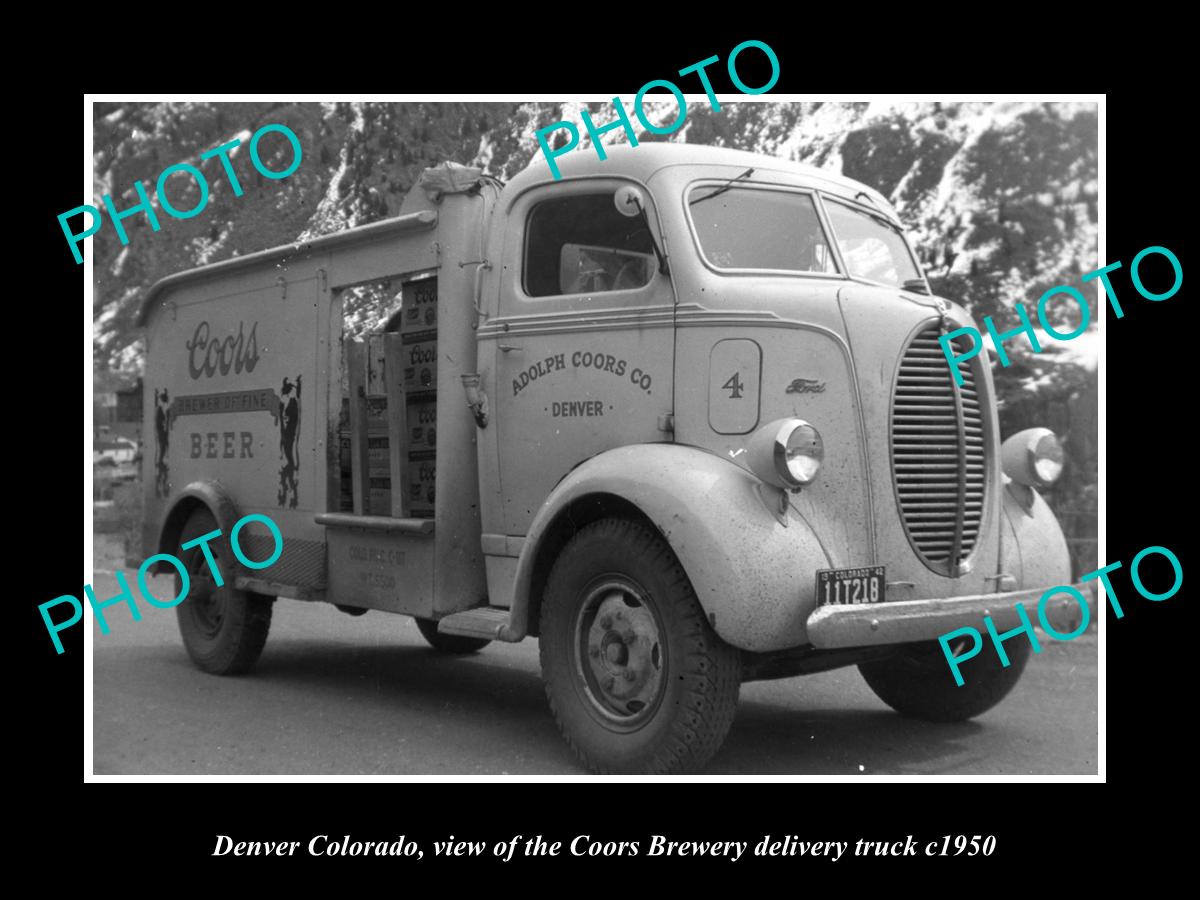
[681, 414]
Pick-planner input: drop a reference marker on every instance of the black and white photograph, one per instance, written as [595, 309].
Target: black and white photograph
[710, 436]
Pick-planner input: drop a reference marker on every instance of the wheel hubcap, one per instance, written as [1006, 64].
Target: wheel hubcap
[621, 657]
[207, 601]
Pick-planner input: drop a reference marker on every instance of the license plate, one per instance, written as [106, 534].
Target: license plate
[846, 586]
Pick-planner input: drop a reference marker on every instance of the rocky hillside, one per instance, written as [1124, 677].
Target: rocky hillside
[1001, 198]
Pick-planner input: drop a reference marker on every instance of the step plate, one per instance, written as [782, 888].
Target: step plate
[487, 622]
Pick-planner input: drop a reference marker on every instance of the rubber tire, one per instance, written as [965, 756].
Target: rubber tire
[700, 698]
[918, 682]
[246, 619]
[449, 643]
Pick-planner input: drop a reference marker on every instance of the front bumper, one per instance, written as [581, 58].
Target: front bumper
[904, 621]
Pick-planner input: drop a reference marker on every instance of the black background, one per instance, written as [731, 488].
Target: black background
[1064, 827]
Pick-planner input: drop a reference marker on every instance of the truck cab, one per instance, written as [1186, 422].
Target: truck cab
[683, 414]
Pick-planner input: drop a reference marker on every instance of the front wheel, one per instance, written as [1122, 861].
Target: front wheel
[918, 682]
[636, 678]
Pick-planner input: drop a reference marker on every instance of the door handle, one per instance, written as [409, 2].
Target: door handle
[508, 348]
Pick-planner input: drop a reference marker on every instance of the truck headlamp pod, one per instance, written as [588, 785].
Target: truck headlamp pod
[1032, 457]
[786, 453]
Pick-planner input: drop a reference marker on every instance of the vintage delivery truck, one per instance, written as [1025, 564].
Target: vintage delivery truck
[681, 414]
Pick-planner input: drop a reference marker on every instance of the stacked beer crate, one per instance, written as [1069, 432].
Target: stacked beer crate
[418, 332]
[379, 467]
[379, 475]
[346, 482]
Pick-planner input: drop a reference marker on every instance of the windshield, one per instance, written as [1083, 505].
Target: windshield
[870, 248]
[756, 228]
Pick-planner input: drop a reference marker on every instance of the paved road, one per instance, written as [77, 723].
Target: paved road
[333, 694]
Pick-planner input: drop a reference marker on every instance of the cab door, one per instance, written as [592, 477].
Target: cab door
[583, 338]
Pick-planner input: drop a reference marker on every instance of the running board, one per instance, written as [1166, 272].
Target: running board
[375, 523]
[489, 622]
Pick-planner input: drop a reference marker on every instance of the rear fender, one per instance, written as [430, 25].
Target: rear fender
[210, 494]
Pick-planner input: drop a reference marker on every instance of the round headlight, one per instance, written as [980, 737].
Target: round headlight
[787, 453]
[1047, 456]
[1033, 457]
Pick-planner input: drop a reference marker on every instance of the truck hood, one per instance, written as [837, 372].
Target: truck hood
[842, 365]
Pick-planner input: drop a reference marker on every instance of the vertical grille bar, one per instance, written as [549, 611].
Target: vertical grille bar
[956, 549]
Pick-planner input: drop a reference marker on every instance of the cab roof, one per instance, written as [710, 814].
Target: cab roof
[642, 161]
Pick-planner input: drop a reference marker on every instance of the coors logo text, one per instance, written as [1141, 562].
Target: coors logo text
[208, 355]
[422, 355]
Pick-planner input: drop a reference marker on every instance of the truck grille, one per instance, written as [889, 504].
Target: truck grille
[939, 457]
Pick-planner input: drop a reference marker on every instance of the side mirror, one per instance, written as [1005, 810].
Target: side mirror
[629, 201]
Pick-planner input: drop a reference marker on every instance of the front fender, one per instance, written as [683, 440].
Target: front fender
[1033, 549]
[753, 575]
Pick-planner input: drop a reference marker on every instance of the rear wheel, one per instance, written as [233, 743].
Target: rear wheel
[449, 643]
[637, 679]
[224, 629]
[918, 682]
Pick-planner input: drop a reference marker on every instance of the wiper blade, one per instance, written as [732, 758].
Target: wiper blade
[916, 285]
[723, 188]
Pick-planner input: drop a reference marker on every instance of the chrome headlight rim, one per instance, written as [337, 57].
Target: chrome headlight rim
[769, 458]
[1055, 458]
[1023, 454]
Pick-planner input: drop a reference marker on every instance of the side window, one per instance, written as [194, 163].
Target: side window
[872, 248]
[581, 244]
